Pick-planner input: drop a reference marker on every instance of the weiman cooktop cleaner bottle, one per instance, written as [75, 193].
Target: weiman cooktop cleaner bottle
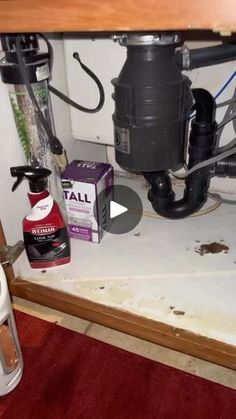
[46, 236]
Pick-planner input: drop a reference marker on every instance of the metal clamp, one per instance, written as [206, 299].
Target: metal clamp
[185, 57]
[140, 39]
[9, 254]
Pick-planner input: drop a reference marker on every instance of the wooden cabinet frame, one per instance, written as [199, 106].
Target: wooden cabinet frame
[107, 15]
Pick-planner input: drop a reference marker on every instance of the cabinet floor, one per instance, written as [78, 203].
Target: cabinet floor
[179, 273]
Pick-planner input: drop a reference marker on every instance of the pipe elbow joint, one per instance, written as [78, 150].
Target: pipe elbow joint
[176, 210]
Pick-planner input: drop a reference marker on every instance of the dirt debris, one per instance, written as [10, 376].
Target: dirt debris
[212, 248]
[179, 312]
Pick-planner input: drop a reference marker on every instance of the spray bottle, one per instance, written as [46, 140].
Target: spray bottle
[46, 237]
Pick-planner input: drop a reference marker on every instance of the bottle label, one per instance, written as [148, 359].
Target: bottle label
[47, 243]
[41, 210]
[42, 72]
[122, 140]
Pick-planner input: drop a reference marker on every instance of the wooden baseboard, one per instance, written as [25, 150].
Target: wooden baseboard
[153, 331]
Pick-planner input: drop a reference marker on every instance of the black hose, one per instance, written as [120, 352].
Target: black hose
[203, 57]
[75, 104]
[87, 70]
[201, 147]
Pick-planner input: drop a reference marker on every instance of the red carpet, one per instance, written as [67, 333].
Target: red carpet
[69, 375]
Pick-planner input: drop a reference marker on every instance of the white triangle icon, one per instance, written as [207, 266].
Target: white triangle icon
[116, 209]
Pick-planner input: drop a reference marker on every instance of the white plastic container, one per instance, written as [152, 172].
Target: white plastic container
[11, 361]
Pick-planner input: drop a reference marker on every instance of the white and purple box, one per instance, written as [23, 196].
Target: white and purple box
[82, 182]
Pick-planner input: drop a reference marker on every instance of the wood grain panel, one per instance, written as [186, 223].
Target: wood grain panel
[8, 269]
[153, 331]
[107, 15]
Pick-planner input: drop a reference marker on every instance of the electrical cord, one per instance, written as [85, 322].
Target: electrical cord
[225, 103]
[221, 152]
[222, 124]
[229, 111]
[228, 201]
[76, 105]
[225, 85]
[93, 76]
[209, 161]
[228, 146]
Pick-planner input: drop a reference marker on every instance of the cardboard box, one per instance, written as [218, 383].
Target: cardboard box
[82, 182]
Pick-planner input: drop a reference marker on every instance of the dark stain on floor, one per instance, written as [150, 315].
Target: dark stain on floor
[179, 312]
[212, 248]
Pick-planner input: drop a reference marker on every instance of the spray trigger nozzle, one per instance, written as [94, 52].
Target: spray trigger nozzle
[37, 177]
[16, 183]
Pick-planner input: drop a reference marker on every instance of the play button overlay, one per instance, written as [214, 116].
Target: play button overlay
[118, 209]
